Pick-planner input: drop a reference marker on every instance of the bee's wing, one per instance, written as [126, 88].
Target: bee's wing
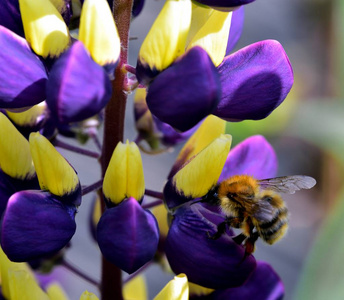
[288, 184]
[264, 211]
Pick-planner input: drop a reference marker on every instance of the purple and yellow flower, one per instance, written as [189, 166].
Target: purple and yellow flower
[203, 162]
[154, 136]
[190, 76]
[39, 223]
[73, 77]
[127, 234]
[17, 171]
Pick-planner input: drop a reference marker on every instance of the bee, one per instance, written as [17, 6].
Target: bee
[255, 206]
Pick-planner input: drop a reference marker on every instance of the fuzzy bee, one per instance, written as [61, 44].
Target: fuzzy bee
[255, 206]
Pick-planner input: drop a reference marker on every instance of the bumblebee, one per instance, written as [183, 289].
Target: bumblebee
[255, 206]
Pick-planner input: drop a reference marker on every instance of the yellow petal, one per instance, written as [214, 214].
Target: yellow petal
[29, 117]
[88, 296]
[44, 27]
[23, 286]
[15, 156]
[5, 266]
[198, 290]
[167, 37]
[98, 32]
[176, 289]
[97, 211]
[198, 176]
[54, 173]
[60, 5]
[135, 289]
[55, 292]
[124, 175]
[211, 128]
[211, 34]
[160, 213]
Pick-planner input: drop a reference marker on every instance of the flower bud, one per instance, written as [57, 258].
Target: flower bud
[165, 40]
[209, 29]
[124, 175]
[54, 173]
[99, 34]
[15, 156]
[44, 27]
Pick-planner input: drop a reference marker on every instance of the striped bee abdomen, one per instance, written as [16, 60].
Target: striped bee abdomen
[272, 231]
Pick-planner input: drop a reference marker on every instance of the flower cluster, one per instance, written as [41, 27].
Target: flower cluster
[58, 81]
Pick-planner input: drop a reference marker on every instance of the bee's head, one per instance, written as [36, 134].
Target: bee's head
[238, 194]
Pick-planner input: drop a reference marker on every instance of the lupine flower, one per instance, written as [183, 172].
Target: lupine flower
[127, 234]
[263, 284]
[137, 7]
[18, 282]
[39, 223]
[195, 79]
[17, 172]
[157, 135]
[191, 179]
[77, 87]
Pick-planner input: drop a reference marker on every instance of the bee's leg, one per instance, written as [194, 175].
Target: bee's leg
[250, 243]
[221, 228]
[239, 238]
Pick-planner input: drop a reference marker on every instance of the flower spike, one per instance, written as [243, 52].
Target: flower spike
[54, 173]
[165, 40]
[124, 175]
[44, 27]
[99, 34]
[15, 156]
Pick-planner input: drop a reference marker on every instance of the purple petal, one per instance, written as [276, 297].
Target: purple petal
[186, 92]
[170, 136]
[254, 156]
[235, 31]
[10, 16]
[210, 263]
[78, 88]
[172, 197]
[128, 235]
[35, 225]
[224, 3]
[22, 74]
[255, 80]
[9, 186]
[137, 7]
[263, 284]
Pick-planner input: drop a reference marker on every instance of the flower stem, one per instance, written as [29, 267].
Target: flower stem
[152, 204]
[60, 144]
[90, 188]
[111, 286]
[78, 272]
[154, 194]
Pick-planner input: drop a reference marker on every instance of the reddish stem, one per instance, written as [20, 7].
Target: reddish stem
[111, 287]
